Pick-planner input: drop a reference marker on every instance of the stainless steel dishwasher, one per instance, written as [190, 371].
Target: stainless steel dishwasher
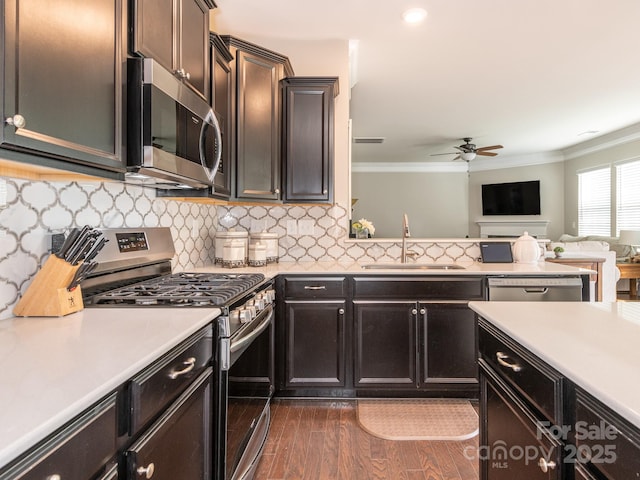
[538, 289]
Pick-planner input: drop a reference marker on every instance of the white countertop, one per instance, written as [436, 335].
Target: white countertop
[54, 368]
[596, 345]
[352, 267]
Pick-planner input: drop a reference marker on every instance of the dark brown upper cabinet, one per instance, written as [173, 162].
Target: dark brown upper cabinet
[221, 89]
[63, 80]
[256, 132]
[175, 33]
[308, 138]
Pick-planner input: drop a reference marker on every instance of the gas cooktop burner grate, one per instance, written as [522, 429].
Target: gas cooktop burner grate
[183, 289]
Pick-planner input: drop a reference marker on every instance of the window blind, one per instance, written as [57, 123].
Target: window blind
[594, 202]
[628, 196]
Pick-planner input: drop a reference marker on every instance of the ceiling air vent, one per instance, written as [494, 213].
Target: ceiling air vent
[368, 139]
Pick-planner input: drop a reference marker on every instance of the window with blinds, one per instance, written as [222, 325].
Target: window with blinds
[627, 196]
[594, 202]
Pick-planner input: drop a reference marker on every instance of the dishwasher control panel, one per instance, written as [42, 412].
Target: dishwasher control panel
[534, 282]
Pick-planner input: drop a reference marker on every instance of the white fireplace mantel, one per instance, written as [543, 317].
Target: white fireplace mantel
[513, 228]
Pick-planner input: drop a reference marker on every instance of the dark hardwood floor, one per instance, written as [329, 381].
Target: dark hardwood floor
[321, 439]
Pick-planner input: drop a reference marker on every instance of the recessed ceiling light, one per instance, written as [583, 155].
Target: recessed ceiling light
[414, 15]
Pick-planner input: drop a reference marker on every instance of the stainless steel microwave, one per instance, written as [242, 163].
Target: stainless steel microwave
[173, 136]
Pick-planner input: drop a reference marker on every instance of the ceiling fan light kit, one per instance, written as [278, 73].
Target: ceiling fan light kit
[468, 151]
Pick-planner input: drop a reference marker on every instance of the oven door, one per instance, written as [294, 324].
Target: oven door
[245, 392]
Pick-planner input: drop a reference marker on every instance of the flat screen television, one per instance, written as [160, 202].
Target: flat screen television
[515, 198]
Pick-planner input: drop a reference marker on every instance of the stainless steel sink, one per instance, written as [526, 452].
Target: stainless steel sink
[412, 266]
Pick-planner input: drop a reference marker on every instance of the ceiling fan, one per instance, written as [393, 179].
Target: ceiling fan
[468, 151]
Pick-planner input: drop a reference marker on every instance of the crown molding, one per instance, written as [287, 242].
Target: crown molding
[408, 167]
[603, 142]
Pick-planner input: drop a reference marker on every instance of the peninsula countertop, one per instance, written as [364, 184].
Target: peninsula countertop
[55, 368]
[594, 344]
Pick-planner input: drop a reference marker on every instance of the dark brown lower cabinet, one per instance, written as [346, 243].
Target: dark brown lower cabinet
[606, 444]
[513, 442]
[419, 346]
[449, 344]
[178, 443]
[385, 344]
[315, 344]
[86, 448]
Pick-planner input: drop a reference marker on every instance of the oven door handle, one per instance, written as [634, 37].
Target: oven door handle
[237, 345]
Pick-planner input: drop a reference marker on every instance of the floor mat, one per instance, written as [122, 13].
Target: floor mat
[418, 419]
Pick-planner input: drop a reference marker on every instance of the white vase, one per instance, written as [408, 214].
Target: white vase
[526, 249]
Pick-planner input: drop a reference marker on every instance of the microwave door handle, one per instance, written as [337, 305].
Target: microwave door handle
[212, 121]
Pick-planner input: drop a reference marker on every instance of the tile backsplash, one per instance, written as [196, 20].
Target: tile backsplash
[34, 209]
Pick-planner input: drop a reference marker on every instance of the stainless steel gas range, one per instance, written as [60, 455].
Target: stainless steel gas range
[134, 270]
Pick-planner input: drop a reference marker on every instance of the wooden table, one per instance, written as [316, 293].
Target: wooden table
[632, 272]
[592, 263]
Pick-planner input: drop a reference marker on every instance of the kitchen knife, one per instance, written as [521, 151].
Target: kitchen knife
[86, 245]
[77, 244]
[95, 249]
[64, 248]
[83, 271]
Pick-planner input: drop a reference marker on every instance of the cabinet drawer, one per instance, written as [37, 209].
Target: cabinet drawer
[537, 382]
[315, 287]
[419, 288]
[177, 445]
[80, 450]
[515, 444]
[605, 442]
[153, 389]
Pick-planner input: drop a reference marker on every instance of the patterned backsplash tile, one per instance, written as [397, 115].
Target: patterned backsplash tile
[35, 209]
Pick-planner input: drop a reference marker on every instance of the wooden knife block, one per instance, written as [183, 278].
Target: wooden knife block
[47, 296]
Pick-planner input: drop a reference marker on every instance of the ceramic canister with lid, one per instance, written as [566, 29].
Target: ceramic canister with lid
[221, 239]
[234, 253]
[257, 254]
[270, 241]
[526, 249]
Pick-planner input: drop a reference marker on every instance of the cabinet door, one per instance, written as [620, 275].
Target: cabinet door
[513, 443]
[449, 343]
[385, 344]
[258, 127]
[193, 48]
[315, 343]
[308, 139]
[80, 450]
[156, 33]
[221, 102]
[63, 78]
[178, 444]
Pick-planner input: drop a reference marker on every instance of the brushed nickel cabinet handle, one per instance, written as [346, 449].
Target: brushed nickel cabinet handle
[502, 360]
[545, 465]
[17, 121]
[341, 311]
[190, 365]
[315, 287]
[146, 472]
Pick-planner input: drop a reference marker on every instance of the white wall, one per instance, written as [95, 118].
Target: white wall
[436, 203]
[584, 161]
[551, 176]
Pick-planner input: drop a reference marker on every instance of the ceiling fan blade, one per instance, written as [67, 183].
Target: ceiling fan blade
[450, 153]
[493, 147]
[486, 154]
[456, 158]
